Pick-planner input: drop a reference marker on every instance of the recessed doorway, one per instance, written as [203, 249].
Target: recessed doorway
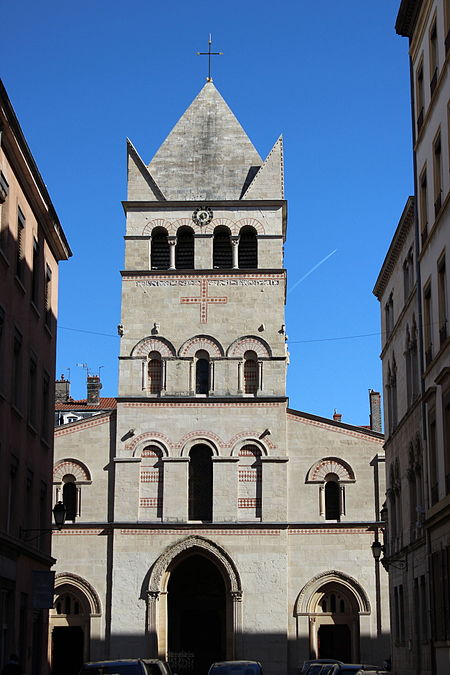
[196, 604]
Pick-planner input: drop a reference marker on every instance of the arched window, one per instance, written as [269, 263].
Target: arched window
[332, 499]
[251, 383]
[202, 372]
[155, 373]
[248, 248]
[66, 603]
[160, 254]
[69, 496]
[200, 483]
[222, 254]
[184, 251]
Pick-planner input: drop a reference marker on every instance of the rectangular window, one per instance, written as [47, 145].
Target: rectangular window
[48, 297]
[43, 516]
[438, 595]
[16, 384]
[45, 407]
[420, 102]
[401, 603]
[408, 274]
[4, 204]
[428, 325]
[446, 406]
[434, 485]
[389, 316]
[29, 502]
[2, 351]
[447, 25]
[424, 609]
[437, 173]
[20, 250]
[423, 206]
[433, 58]
[32, 390]
[442, 299]
[12, 494]
[35, 274]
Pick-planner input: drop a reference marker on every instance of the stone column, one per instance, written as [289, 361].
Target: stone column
[172, 244]
[236, 598]
[235, 250]
[152, 623]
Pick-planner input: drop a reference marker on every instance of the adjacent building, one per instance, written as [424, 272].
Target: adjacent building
[209, 519]
[413, 290]
[32, 243]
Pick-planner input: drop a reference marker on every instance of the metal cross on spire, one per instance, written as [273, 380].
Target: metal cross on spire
[209, 53]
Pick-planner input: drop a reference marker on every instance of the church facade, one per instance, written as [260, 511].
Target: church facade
[208, 519]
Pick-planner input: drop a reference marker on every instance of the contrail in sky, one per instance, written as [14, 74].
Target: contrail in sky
[313, 269]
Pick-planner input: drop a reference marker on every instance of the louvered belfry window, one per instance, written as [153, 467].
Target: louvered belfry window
[248, 248]
[222, 254]
[155, 366]
[250, 373]
[160, 254]
[184, 251]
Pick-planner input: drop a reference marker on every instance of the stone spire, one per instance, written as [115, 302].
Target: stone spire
[207, 155]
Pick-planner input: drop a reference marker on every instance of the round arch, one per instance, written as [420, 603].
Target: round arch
[153, 344]
[326, 465]
[70, 581]
[201, 342]
[303, 603]
[200, 438]
[249, 343]
[73, 466]
[138, 443]
[157, 596]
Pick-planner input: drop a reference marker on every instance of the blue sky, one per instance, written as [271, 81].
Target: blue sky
[332, 77]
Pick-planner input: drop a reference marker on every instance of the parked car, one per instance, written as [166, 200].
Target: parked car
[127, 667]
[236, 668]
[330, 667]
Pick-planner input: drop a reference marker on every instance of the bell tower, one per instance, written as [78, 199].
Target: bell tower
[203, 348]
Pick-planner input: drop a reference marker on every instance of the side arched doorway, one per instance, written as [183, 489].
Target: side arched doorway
[72, 624]
[194, 606]
[333, 604]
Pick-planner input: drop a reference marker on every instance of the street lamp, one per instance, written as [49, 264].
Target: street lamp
[378, 549]
[59, 514]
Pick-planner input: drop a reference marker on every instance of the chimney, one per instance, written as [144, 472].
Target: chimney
[337, 417]
[93, 389]
[375, 410]
[62, 390]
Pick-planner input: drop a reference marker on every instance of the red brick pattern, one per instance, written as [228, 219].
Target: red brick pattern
[150, 476]
[204, 300]
[249, 503]
[149, 502]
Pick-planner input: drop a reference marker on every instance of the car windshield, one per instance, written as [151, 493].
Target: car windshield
[314, 669]
[113, 669]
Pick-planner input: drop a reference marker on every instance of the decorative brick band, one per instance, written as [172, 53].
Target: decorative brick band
[67, 533]
[249, 502]
[330, 427]
[340, 531]
[248, 475]
[150, 502]
[203, 404]
[74, 427]
[149, 476]
[205, 533]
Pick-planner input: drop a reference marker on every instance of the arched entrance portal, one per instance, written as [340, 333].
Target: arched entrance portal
[333, 603]
[194, 608]
[196, 615]
[73, 622]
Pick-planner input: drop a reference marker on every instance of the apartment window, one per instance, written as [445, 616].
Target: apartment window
[12, 494]
[432, 450]
[447, 25]
[45, 422]
[423, 207]
[32, 390]
[43, 515]
[420, 101]
[389, 316]
[2, 349]
[442, 300]
[35, 274]
[433, 58]
[428, 326]
[408, 274]
[16, 385]
[437, 169]
[423, 609]
[48, 297]
[20, 250]
[4, 190]
[446, 405]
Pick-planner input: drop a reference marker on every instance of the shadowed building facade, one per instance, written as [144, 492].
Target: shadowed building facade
[213, 521]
